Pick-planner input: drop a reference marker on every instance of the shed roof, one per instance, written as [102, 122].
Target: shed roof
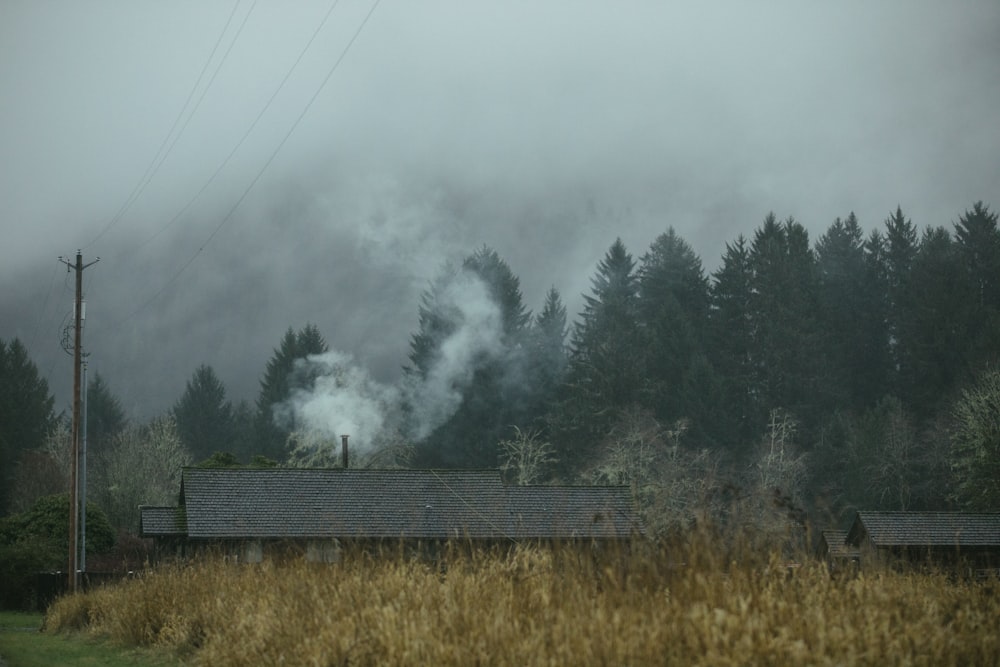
[927, 529]
[234, 503]
[161, 521]
[835, 543]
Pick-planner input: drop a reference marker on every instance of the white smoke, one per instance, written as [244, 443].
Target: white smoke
[343, 399]
[477, 336]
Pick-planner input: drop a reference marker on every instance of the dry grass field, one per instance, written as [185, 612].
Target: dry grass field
[538, 607]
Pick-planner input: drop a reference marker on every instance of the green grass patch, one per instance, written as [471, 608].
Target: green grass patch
[23, 645]
[16, 620]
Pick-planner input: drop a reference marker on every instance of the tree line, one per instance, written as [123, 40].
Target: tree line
[855, 371]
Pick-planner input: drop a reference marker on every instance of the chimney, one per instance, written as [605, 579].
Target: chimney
[343, 450]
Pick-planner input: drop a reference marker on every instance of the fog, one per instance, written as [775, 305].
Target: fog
[235, 183]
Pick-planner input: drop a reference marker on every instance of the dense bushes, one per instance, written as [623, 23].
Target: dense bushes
[37, 540]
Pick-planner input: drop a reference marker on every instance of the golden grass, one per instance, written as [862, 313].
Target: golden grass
[538, 607]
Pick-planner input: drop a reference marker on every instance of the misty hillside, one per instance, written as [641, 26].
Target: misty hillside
[529, 236]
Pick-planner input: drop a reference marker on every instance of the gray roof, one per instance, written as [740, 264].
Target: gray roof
[836, 545]
[161, 521]
[228, 503]
[926, 529]
[538, 512]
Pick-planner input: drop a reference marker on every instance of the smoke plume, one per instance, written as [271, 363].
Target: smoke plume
[341, 397]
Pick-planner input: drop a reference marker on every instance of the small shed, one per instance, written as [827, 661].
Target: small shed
[833, 548]
[166, 525]
[939, 538]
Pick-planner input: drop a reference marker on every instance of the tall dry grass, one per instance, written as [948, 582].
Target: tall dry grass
[542, 607]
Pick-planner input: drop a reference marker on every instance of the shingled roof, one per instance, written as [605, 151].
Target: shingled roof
[161, 521]
[234, 503]
[834, 545]
[926, 529]
[601, 512]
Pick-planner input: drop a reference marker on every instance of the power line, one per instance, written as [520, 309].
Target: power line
[157, 162]
[41, 313]
[475, 510]
[201, 98]
[249, 130]
[267, 163]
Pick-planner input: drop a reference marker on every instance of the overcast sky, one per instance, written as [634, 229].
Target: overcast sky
[233, 189]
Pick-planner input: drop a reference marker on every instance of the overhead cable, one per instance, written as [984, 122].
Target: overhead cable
[267, 163]
[163, 151]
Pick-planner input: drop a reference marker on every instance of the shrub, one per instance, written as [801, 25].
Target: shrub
[37, 540]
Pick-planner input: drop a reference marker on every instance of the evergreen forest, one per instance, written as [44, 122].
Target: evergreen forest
[803, 378]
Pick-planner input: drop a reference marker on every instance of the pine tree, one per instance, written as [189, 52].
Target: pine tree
[673, 307]
[203, 416]
[437, 318]
[276, 386]
[785, 349]
[244, 432]
[551, 328]
[468, 363]
[936, 337]
[877, 372]
[26, 413]
[731, 345]
[546, 359]
[978, 250]
[851, 319]
[605, 362]
[105, 415]
[900, 251]
[504, 288]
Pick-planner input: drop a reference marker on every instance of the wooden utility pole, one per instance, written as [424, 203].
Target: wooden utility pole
[74, 493]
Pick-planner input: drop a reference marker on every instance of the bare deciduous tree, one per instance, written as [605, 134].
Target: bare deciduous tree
[673, 487]
[976, 443]
[526, 457]
[775, 480]
[143, 467]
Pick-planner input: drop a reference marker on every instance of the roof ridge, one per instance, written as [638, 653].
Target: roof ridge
[342, 470]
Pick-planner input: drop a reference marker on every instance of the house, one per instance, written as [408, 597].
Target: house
[940, 538]
[248, 512]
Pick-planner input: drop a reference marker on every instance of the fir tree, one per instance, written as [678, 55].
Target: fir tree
[785, 347]
[26, 413]
[605, 362]
[936, 335]
[851, 320]
[978, 250]
[276, 386]
[203, 416]
[900, 251]
[469, 358]
[673, 308]
[731, 343]
[105, 415]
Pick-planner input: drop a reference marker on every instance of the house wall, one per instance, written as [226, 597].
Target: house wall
[323, 551]
[968, 561]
